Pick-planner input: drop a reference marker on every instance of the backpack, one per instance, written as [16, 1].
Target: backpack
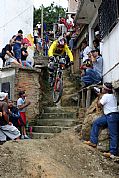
[3, 53]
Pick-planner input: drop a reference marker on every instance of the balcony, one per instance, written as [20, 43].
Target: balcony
[86, 11]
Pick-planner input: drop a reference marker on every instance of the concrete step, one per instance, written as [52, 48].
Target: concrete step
[41, 135]
[67, 84]
[48, 129]
[68, 91]
[58, 115]
[60, 109]
[56, 122]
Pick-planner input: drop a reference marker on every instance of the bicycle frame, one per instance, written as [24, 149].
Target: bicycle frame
[58, 79]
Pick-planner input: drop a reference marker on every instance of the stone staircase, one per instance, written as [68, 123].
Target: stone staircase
[57, 118]
[53, 120]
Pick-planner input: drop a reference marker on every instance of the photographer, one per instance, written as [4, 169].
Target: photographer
[110, 119]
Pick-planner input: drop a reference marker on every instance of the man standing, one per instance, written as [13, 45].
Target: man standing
[22, 104]
[6, 128]
[110, 119]
[17, 46]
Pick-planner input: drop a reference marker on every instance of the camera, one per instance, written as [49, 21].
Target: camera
[97, 90]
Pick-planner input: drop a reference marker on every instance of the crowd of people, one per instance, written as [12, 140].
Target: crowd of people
[15, 52]
[92, 73]
[13, 118]
[91, 64]
[41, 45]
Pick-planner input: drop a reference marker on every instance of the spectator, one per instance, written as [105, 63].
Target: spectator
[14, 115]
[46, 44]
[22, 104]
[6, 127]
[110, 119]
[96, 44]
[17, 46]
[87, 64]
[39, 44]
[9, 56]
[45, 47]
[86, 49]
[97, 36]
[24, 54]
[35, 33]
[94, 75]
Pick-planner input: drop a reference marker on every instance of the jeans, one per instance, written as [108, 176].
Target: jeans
[17, 53]
[91, 77]
[111, 121]
[26, 63]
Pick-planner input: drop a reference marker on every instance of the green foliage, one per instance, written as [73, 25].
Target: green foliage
[51, 15]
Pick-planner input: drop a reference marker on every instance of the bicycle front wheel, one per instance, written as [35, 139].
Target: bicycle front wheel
[57, 90]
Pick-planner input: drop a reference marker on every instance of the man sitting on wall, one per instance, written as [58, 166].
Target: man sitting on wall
[94, 75]
[7, 54]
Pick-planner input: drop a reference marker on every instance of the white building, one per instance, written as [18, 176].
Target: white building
[72, 6]
[104, 14]
[15, 15]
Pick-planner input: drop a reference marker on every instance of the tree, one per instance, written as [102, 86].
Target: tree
[51, 15]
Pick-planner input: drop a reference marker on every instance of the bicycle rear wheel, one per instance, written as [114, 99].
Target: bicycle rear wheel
[57, 90]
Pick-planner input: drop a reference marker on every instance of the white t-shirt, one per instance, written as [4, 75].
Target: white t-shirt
[109, 103]
[20, 102]
[85, 53]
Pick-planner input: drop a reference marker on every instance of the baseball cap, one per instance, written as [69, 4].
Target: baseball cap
[95, 50]
[3, 95]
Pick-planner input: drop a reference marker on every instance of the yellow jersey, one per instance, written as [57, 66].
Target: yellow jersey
[55, 50]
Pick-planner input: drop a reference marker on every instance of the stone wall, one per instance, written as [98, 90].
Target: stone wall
[86, 118]
[26, 79]
[29, 80]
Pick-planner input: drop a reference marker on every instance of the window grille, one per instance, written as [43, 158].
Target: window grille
[108, 15]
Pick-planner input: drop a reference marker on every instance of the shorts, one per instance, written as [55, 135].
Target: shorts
[17, 53]
[23, 116]
[9, 131]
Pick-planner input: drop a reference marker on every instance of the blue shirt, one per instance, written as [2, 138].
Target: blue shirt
[98, 65]
[17, 45]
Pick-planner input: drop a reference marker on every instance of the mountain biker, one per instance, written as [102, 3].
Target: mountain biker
[59, 48]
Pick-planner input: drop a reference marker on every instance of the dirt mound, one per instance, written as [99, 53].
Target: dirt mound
[63, 156]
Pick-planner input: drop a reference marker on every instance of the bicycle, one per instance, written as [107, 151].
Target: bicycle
[56, 80]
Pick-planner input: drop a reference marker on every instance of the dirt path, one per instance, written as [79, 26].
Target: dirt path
[63, 156]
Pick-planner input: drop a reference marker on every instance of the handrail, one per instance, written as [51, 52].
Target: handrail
[111, 69]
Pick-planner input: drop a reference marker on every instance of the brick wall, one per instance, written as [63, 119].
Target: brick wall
[29, 80]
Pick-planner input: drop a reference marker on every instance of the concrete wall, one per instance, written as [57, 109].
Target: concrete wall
[72, 5]
[110, 52]
[15, 15]
[8, 76]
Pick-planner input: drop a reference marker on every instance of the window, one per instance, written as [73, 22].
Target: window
[108, 15]
[5, 87]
